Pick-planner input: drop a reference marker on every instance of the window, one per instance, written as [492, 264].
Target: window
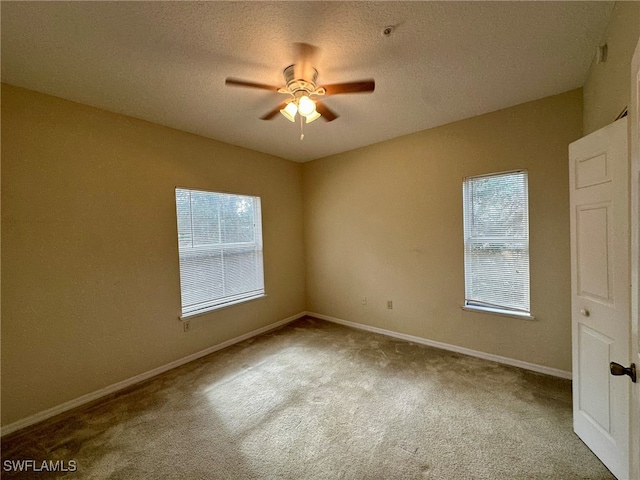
[220, 249]
[496, 243]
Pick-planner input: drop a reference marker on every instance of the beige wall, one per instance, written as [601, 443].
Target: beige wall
[385, 222]
[607, 89]
[90, 272]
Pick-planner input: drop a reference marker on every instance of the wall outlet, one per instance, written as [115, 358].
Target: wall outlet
[186, 326]
[389, 304]
[364, 300]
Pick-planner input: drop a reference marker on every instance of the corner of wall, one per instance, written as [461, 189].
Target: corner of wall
[607, 88]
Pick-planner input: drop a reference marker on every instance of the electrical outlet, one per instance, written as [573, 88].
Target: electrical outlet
[364, 300]
[186, 326]
[389, 304]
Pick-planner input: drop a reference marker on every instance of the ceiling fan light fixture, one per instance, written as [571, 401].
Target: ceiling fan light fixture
[289, 111]
[306, 106]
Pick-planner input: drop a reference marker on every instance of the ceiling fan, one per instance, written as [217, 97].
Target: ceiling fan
[300, 85]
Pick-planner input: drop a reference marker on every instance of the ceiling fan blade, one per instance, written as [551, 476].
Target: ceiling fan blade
[327, 114]
[273, 112]
[363, 86]
[242, 83]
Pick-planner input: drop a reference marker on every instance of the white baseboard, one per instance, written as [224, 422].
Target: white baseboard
[89, 397]
[445, 346]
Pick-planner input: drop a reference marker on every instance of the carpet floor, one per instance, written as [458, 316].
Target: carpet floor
[315, 400]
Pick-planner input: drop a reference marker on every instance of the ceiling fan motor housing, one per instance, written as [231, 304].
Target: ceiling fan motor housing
[297, 84]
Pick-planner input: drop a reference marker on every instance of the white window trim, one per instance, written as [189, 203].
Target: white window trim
[205, 310]
[498, 311]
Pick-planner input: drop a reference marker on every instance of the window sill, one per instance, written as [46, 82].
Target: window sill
[497, 311]
[197, 313]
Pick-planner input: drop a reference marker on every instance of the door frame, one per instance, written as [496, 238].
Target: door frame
[634, 178]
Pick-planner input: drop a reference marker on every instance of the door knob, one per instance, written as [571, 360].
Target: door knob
[584, 312]
[617, 369]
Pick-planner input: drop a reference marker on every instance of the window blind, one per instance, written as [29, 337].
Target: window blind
[496, 241]
[220, 249]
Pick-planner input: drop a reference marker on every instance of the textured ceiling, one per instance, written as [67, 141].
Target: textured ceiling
[166, 62]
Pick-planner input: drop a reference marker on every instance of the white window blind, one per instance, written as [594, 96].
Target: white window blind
[220, 249]
[496, 242]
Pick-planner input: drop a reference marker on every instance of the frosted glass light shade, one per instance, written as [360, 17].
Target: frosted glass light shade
[313, 116]
[289, 112]
[306, 106]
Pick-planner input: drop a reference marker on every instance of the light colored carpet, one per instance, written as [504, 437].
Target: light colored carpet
[314, 400]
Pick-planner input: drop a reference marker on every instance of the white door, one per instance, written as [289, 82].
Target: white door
[600, 292]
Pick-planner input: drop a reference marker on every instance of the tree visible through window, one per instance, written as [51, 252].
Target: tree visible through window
[496, 242]
[220, 249]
